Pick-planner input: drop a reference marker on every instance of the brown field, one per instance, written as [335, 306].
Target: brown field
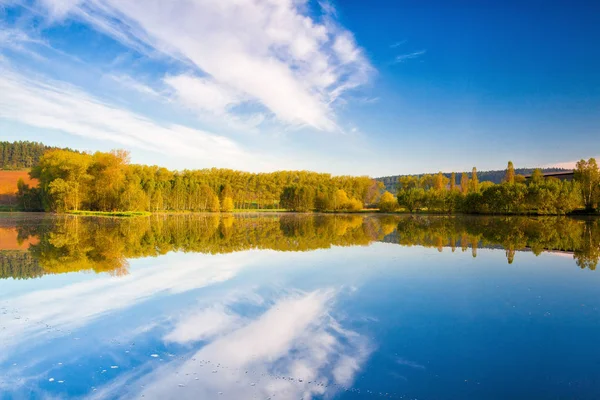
[8, 185]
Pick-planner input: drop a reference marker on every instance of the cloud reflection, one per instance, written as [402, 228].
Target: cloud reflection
[294, 350]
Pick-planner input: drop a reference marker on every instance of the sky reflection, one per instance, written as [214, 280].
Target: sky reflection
[380, 320]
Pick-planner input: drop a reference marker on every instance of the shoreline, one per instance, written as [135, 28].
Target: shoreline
[131, 214]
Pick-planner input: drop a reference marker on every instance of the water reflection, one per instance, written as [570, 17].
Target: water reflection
[30, 248]
[160, 329]
[298, 307]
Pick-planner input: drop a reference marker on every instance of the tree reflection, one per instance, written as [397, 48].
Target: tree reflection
[74, 243]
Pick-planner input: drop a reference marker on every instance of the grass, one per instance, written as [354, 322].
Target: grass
[255, 210]
[7, 208]
[125, 214]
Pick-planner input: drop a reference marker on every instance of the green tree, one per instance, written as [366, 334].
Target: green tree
[588, 176]
[72, 170]
[412, 199]
[537, 176]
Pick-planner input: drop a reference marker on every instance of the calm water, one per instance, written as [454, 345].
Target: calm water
[299, 307]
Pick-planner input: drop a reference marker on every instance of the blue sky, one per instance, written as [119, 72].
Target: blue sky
[347, 87]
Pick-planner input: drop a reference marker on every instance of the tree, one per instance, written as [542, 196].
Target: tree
[387, 202]
[411, 199]
[298, 198]
[509, 177]
[227, 204]
[453, 182]
[464, 183]
[474, 183]
[537, 176]
[408, 182]
[340, 199]
[28, 198]
[440, 182]
[72, 170]
[588, 176]
[323, 201]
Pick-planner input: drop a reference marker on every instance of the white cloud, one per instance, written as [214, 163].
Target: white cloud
[270, 52]
[129, 82]
[203, 94]
[43, 103]
[20, 41]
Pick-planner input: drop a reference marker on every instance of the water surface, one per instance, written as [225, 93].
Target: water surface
[299, 307]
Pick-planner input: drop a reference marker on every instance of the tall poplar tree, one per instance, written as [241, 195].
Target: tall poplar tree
[509, 177]
[588, 176]
[474, 181]
[464, 183]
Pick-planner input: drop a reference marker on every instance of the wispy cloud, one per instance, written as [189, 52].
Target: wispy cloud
[133, 84]
[271, 53]
[408, 56]
[19, 41]
[40, 102]
[397, 44]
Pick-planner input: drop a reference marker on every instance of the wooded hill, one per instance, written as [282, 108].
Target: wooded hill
[495, 176]
[22, 154]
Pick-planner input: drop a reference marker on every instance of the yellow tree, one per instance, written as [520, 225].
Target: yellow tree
[509, 177]
[464, 183]
[387, 202]
[438, 183]
[474, 183]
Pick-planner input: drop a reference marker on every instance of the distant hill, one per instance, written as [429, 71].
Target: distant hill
[495, 176]
[22, 154]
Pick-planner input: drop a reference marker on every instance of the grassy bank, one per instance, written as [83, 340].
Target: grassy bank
[125, 214]
[256, 210]
[7, 208]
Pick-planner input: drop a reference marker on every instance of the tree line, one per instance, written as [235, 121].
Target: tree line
[22, 154]
[71, 243]
[496, 176]
[107, 181]
[515, 195]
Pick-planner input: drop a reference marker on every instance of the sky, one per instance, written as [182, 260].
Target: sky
[348, 87]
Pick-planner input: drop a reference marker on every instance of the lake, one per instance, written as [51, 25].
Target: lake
[299, 306]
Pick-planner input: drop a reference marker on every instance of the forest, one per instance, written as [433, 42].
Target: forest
[107, 182]
[21, 154]
[69, 243]
[71, 181]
